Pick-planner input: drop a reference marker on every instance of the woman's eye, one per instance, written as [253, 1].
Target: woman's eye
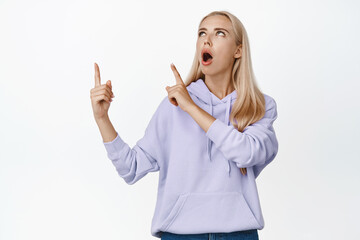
[216, 32]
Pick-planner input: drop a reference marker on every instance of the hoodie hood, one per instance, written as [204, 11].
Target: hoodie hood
[199, 89]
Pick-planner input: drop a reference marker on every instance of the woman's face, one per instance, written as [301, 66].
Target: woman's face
[220, 42]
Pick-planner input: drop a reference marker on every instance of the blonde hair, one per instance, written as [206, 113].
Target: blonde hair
[249, 106]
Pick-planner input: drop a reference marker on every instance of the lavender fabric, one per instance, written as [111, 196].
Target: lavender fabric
[200, 188]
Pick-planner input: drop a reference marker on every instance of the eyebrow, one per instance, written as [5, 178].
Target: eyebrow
[215, 29]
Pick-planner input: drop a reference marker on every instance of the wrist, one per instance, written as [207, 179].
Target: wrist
[105, 118]
[192, 108]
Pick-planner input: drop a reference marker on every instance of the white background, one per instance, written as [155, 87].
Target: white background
[56, 181]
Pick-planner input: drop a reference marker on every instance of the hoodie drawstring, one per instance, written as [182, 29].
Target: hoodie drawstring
[209, 142]
[227, 121]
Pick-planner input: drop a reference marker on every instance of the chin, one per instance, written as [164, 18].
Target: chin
[207, 71]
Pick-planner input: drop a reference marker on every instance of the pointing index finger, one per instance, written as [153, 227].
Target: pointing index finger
[177, 75]
[97, 75]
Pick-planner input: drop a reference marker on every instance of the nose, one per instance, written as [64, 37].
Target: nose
[207, 41]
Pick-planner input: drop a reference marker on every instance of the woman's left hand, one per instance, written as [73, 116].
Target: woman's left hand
[178, 94]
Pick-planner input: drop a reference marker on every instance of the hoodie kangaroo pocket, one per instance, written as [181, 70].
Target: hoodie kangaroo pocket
[175, 211]
[210, 212]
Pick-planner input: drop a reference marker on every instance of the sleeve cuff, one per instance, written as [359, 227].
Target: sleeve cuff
[115, 145]
[217, 130]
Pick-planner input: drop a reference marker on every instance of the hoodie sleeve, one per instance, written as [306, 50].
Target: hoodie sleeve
[132, 164]
[255, 147]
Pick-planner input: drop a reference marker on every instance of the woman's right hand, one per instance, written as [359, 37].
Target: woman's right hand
[101, 96]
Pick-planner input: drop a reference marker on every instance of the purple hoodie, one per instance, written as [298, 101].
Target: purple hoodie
[201, 188]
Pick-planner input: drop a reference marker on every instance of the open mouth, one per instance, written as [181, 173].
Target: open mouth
[206, 56]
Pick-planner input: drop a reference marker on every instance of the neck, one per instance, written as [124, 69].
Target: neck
[220, 85]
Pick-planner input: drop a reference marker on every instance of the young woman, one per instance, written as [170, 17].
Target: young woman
[209, 138]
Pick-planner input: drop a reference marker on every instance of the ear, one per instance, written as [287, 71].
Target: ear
[238, 52]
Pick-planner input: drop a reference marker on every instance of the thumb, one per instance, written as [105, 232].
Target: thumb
[109, 83]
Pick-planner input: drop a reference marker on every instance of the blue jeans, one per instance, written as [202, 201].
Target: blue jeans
[239, 235]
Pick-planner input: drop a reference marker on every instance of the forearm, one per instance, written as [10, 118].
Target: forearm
[106, 128]
[202, 118]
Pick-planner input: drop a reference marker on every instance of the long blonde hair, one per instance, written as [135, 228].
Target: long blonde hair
[249, 106]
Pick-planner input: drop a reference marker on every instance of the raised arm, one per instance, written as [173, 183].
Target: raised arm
[132, 164]
[255, 147]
